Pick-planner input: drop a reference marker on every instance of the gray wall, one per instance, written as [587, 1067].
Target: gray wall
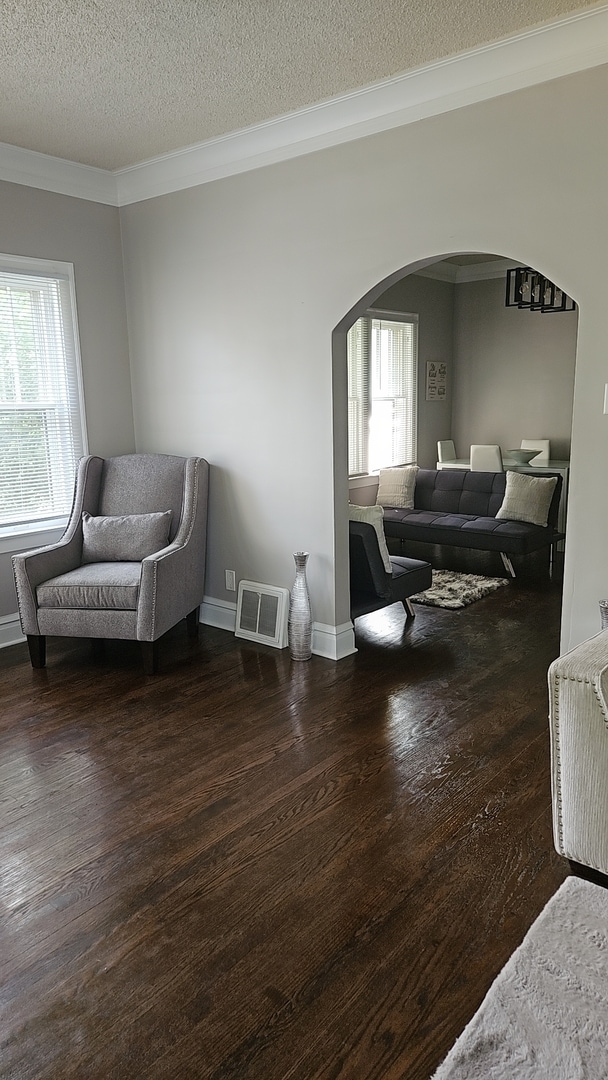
[235, 288]
[44, 225]
[238, 292]
[513, 371]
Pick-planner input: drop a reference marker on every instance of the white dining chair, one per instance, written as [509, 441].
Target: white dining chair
[446, 451]
[486, 458]
[544, 445]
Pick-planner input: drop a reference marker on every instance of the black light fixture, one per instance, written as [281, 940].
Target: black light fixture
[526, 288]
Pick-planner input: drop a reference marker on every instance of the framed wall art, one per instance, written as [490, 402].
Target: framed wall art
[436, 380]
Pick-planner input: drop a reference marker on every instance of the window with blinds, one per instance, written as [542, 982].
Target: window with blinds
[42, 428]
[382, 355]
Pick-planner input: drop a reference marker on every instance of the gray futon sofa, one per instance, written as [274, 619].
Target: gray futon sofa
[458, 508]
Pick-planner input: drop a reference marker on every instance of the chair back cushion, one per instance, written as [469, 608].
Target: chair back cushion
[544, 445]
[486, 457]
[456, 491]
[142, 484]
[446, 450]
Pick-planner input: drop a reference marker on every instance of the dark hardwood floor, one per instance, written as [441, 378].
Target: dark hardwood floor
[248, 867]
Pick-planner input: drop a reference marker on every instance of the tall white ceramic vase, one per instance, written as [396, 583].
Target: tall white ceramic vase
[299, 623]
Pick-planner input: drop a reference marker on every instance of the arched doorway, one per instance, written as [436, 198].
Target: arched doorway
[510, 372]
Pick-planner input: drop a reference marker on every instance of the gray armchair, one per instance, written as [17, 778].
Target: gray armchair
[131, 562]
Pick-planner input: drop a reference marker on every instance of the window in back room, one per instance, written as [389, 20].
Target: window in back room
[382, 350]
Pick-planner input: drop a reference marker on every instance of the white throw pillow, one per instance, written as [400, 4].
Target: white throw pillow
[125, 538]
[527, 498]
[396, 487]
[375, 516]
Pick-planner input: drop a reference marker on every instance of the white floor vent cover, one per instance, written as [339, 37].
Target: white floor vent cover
[261, 613]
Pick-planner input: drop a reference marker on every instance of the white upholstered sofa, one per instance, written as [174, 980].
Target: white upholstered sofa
[578, 722]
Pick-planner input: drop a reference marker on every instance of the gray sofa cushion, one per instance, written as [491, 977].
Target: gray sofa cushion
[102, 586]
[463, 530]
[124, 538]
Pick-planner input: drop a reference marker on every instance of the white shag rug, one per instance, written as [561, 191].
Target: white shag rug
[545, 1017]
[453, 590]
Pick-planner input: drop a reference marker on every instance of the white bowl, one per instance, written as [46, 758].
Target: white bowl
[522, 457]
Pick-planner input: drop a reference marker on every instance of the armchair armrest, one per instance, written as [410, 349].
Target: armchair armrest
[164, 589]
[31, 568]
[173, 579]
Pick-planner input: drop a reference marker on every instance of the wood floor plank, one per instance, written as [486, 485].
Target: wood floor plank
[246, 867]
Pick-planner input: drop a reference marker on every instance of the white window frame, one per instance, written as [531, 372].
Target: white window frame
[48, 525]
[360, 398]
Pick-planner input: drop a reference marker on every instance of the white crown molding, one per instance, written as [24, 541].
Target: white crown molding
[27, 167]
[456, 275]
[573, 43]
[439, 271]
[560, 48]
[485, 271]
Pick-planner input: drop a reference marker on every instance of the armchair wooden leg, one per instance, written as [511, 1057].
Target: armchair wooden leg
[409, 608]
[192, 623]
[36, 643]
[149, 653]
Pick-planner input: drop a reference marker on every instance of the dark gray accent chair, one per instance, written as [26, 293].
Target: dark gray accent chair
[63, 591]
[371, 587]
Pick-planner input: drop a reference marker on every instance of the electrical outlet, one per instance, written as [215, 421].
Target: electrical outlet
[230, 580]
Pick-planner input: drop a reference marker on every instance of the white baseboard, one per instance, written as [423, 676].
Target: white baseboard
[332, 642]
[10, 630]
[218, 613]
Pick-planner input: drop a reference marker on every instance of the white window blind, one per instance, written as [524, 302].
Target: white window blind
[382, 392]
[42, 429]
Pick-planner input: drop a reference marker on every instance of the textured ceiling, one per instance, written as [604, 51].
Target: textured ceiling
[111, 83]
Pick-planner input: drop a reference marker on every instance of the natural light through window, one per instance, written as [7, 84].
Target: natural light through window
[382, 384]
[42, 431]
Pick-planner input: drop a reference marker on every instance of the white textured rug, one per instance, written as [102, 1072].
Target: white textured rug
[545, 1017]
[453, 590]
